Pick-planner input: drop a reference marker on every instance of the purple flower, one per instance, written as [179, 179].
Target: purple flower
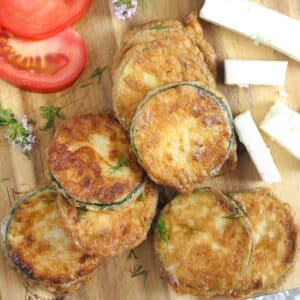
[20, 135]
[124, 9]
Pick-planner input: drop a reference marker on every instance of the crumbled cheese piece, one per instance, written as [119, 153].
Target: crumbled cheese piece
[260, 154]
[283, 125]
[255, 21]
[255, 72]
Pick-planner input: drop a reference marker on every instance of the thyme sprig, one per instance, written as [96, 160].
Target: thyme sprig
[50, 113]
[6, 116]
[48, 201]
[18, 133]
[82, 212]
[161, 229]
[124, 9]
[4, 179]
[96, 74]
[235, 217]
[132, 255]
[159, 27]
[139, 270]
[141, 198]
[121, 163]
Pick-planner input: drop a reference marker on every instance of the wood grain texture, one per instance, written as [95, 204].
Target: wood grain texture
[103, 34]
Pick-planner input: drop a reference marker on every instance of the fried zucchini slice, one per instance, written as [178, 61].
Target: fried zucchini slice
[93, 165]
[156, 30]
[182, 134]
[275, 235]
[203, 243]
[195, 33]
[145, 33]
[36, 245]
[152, 65]
[110, 232]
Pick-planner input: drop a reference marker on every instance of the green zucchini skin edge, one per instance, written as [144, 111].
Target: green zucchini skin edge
[283, 275]
[139, 189]
[5, 248]
[122, 67]
[229, 200]
[194, 84]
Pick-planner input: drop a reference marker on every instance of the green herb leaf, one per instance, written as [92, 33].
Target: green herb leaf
[4, 179]
[6, 116]
[132, 255]
[235, 217]
[123, 2]
[161, 230]
[19, 133]
[98, 73]
[50, 113]
[139, 271]
[85, 85]
[82, 212]
[194, 229]
[121, 163]
[159, 27]
[48, 201]
[141, 198]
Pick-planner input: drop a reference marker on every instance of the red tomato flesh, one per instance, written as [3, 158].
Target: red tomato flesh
[48, 65]
[38, 19]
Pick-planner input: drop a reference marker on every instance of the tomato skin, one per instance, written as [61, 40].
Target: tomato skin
[68, 43]
[40, 19]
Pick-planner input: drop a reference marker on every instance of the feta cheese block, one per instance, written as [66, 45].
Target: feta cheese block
[255, 21]
[255, 72]
[260, 154]
[283, 125]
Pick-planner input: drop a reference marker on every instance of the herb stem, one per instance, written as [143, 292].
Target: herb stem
[121, 163]
[139, 271]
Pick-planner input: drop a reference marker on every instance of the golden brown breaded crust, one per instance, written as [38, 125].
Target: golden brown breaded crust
[180, 288]
[275, 234]
[84, 157]
[203, 248]
[182, 135]
[110, 232]
[152, 65]
[231, 164]
[44, 292]
[155, 30]
[195, 33]
[143, 34]
[38, 248]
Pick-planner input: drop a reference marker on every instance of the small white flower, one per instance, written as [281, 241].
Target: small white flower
[124, 9]
[20, 135]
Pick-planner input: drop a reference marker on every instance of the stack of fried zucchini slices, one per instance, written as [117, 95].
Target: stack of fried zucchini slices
[108, 203]
[180, 133]
[102, 205]
[164, 93]
[209, 243]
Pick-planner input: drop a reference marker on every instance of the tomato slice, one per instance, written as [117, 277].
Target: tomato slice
[38, 19]
[43, 66]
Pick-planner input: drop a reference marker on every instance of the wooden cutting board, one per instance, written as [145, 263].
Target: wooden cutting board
[103, 34]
